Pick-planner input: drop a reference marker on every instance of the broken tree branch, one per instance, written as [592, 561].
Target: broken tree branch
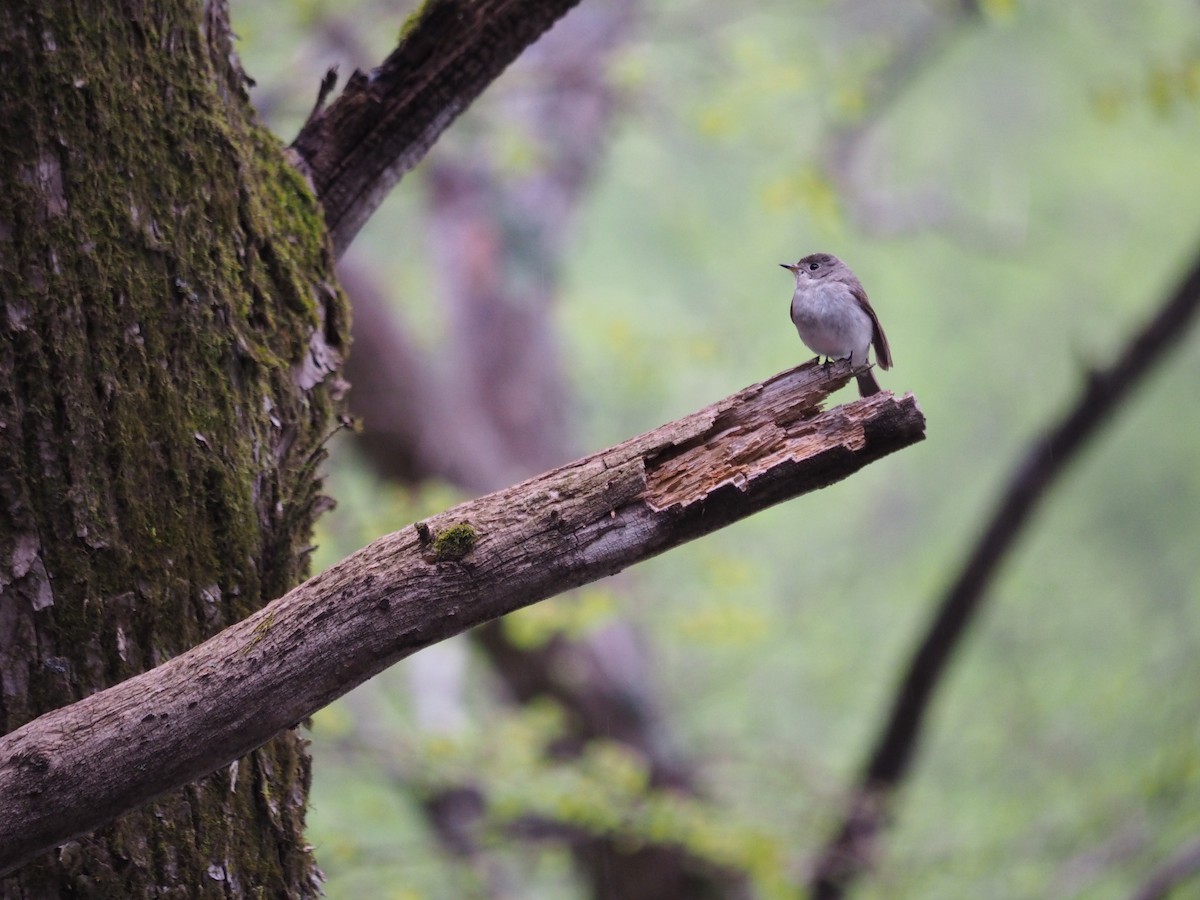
[355, 150]
[79, 766]
[850, 851]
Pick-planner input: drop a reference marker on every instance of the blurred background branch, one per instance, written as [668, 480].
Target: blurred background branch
[1181, 866]
[854, 846]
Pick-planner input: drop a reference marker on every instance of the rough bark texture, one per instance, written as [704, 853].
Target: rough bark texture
[422, 584]
[168, 335]
[383, 123]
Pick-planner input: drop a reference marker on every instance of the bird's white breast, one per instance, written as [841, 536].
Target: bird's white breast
[830, 321]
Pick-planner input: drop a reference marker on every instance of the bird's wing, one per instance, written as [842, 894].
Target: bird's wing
[883, 353]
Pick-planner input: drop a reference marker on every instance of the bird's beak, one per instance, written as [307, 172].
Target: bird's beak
[791, 268]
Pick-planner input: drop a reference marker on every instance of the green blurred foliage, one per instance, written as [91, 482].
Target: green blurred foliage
[1016, 204]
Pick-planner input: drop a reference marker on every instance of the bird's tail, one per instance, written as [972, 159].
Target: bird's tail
[867, 385]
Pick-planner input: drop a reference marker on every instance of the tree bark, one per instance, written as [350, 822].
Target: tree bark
[170, 334]
[356, 150]
[415, 587]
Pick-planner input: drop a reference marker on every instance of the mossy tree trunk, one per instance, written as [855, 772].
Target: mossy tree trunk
[171, 335]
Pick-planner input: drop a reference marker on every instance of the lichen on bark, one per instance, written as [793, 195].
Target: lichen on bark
[172, 333]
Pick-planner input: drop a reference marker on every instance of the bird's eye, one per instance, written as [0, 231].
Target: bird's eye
[812, 267]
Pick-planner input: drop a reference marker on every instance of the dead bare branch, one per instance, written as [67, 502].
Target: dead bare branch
[356, 150]
[415, 587]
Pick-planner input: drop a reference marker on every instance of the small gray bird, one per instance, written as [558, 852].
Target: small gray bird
[834, 318]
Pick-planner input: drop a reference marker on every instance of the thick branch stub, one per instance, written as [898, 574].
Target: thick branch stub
[424, 583]
[355, 150]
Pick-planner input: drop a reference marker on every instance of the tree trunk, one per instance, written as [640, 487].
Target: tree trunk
[171, 334]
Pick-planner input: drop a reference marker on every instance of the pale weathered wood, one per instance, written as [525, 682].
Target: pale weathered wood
[79, 766]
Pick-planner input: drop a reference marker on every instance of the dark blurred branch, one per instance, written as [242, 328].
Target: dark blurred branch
[1182, 866]
[356, 150]
[848, 855]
